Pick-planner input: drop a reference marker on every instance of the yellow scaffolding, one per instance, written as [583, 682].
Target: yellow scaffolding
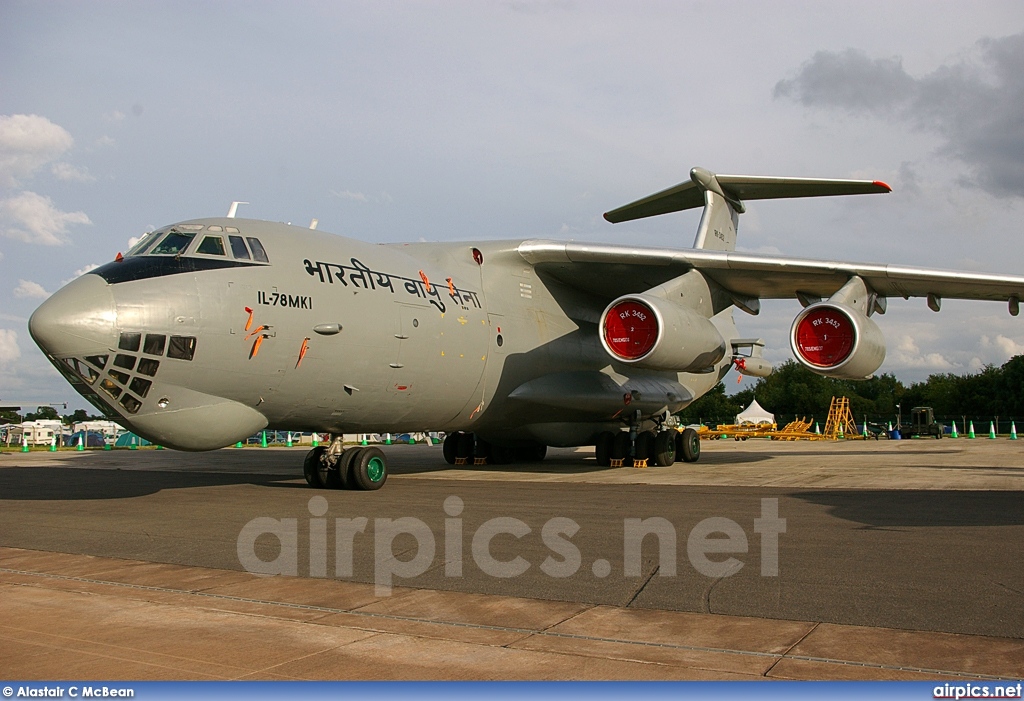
[840, 423]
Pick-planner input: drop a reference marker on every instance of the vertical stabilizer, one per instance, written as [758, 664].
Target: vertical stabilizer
[717, 230]
[718, 223]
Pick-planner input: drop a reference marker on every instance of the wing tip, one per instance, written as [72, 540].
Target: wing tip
[885, 187]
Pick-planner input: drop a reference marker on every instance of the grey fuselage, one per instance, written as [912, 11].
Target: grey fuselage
[338, 335]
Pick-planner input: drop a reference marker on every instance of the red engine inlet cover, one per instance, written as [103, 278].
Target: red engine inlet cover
[630, 329]
[825, 337]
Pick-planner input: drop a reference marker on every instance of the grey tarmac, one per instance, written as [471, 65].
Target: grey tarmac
[900, 559]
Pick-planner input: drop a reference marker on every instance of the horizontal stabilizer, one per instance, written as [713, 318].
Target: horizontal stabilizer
[737, 188]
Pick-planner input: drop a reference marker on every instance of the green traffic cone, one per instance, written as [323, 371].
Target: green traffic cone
[24, 442]
[864, 432]
[363, 442]
[238, 444]
[53, 444]
[954, 434]
[412, 440]
[288, 443]
[387, 439]
[263, 440]
[107, 446]
[817, 429]
[159, 447]
[316, 439]
[81, 442]
[133, 446]
[970, 430]
[991, 430]
[1013, 431]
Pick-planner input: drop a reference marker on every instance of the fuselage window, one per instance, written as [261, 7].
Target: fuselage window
[238, 249]
[129, 341]
[148, 366]
[173, 244]
[212, 245]
[124, 361]
[147, 240]
[181, 347]
[155, 343]
[257, 249]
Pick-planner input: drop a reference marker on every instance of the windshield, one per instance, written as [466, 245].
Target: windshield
[173, 244]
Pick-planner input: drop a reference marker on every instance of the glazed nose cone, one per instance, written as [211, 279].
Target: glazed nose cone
[78, 319]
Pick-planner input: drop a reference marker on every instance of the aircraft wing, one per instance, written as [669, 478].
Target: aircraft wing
[610, 271]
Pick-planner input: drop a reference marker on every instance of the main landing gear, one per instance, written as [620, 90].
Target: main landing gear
[662, 448]
[462, 448]
[335, 467]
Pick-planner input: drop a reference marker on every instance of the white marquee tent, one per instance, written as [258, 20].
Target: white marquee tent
[755, 414]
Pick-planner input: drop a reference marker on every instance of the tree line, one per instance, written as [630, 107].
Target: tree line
[794, 391]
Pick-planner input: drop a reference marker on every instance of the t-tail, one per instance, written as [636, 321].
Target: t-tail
[723, 196]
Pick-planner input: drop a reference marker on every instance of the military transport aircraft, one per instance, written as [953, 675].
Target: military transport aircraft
[209, 330]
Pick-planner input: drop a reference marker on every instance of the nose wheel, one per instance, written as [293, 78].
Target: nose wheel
[355, 468]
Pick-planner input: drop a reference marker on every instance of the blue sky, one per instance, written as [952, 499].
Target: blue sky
[455, 121]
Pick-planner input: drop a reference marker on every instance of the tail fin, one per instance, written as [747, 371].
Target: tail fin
[723, 197]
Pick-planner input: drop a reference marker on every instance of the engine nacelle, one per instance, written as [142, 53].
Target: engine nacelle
[836, 340]
[650, 332]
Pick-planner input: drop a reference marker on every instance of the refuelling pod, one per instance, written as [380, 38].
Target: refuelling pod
[650, 332]
[836, 340]
[746, 355]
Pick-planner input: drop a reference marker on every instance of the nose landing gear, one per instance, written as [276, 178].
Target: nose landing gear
[335, 467]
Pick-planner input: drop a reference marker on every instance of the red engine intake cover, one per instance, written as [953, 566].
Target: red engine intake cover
[630, 329]
[825, 337]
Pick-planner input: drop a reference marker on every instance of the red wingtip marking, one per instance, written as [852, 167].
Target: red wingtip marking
[118, 258]
[879, 183]
[247, 309]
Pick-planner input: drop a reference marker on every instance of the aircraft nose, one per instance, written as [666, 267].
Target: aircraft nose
[78, 319]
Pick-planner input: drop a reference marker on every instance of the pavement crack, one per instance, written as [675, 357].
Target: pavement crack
[639, 589]
[706, 599]
[790, 649]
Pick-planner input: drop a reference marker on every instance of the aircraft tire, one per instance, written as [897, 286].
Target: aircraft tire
[310, 464]
[645, 445]
[450, 447]
[369, 469]
[665, 449]
[690, 445]
[620, 448]
[464, 446]
[603, 448]
[345, 467]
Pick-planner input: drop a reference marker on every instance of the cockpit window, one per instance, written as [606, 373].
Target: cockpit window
[173, 244]
[257, 249]
[238, 249]
[212, 245]
[147, 240]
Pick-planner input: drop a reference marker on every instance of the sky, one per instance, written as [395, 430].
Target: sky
[444, 121]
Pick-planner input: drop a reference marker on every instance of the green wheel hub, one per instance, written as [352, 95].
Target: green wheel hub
[375, 469]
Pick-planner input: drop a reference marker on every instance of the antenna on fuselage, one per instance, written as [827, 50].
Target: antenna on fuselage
[312, 224]
[233, 209]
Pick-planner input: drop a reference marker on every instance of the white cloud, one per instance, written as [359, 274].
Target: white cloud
[9, 350]
[29, 289]
[32, 218]
[115, 116]
[27, 143]
[347, 195]
[70, 173]
[907, 354]
[80, 272]
[1005, 346]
